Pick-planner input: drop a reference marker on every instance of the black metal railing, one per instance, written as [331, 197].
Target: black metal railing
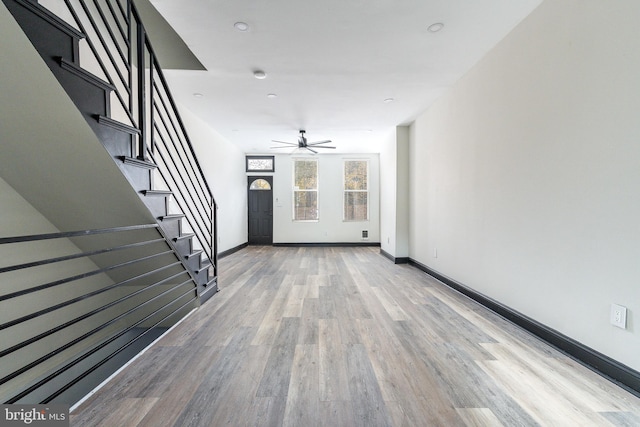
[69, 320]
[117, 49]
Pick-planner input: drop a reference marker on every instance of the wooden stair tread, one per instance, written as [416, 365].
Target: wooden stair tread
[201, 269]
[171, 217]
[50, 17]
[84, 74]
[211, 282]
[138, 162]
[158, 193]
[183, 237]
[194, 253]
[108, 121]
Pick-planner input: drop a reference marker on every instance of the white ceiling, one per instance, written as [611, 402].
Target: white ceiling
[331, 63]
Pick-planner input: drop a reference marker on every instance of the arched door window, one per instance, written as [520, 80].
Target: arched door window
[260, 184]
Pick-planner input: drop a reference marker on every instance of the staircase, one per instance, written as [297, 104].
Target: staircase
[76, 305]
[127, 104]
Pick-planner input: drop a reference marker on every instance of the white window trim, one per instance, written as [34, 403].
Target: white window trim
[344, 190]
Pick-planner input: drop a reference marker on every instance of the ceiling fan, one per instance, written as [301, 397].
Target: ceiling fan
[303, 143]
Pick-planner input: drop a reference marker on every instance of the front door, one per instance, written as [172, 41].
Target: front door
[260, 210]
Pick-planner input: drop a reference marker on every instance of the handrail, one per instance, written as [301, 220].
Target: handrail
[72, 305]
[173, 105]
[208, 244]
[125, 57]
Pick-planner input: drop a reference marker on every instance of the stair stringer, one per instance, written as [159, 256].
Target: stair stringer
[57, 43]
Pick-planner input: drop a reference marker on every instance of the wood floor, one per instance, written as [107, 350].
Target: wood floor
[343, 337]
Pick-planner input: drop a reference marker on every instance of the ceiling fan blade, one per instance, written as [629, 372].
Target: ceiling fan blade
[326, 141]
[285, 142]
[313, 151]
[283, 146]
[320, 146]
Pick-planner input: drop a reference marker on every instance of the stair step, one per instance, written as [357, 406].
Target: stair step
[207, 291]
[158, 193]
[48, 16]
[183, 237]
[192, 261]
[57, 42]
[172, 217]
[157, 201]
[84, 74]
[108, 121]
[202, 269]
[193, 254]
[51, 36]
[211, 282]
[138, 162]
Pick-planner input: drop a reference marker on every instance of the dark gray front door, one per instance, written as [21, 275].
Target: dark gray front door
[260, 210]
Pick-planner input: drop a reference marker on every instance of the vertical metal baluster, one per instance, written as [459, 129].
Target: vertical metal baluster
[131, 76]
[141, 91]
[152, 67]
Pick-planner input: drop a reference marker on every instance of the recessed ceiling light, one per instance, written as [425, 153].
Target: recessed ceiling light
[272, 95]
[241, 26]
[388, 100]
[198, 95]
[259, 74]
[434, 28]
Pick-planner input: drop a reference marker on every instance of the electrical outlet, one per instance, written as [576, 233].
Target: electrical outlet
[619, 316]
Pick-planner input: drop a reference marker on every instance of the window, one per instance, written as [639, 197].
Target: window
[305, 190]
[260, 164]
[260, 184]
[356, 190]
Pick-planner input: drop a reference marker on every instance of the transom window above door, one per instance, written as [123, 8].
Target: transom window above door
[260, 184]
[261, 164]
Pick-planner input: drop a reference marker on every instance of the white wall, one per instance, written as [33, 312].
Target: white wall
[224, 167]
[18, 218]
[388, 197]
[394, 193]
[402, 192]
[330, 228]
[525, 175]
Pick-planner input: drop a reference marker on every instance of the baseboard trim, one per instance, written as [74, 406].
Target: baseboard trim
[328, 245]
[400, 260]
[232, 250]
[622, 375]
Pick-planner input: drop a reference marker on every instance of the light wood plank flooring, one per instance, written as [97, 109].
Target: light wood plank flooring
[343, 337]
